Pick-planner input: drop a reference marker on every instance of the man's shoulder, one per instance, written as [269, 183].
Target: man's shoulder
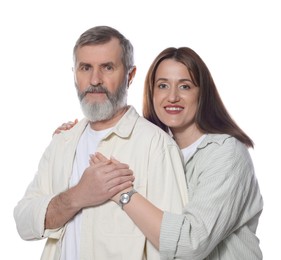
[73, 132]
[149, 129]
[149, 125]
[139, 123]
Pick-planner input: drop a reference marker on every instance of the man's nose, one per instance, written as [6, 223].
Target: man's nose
[96, 78]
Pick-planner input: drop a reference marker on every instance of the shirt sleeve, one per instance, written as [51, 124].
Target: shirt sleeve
[222, 196]
[29, 213]
[166, 184]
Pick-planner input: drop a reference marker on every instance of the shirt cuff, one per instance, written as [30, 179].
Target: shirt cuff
[169, 234]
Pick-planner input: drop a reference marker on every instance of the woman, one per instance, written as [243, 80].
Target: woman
[221, 217]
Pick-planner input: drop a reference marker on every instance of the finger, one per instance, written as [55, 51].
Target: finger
[57, 131]
[64, 126]
[95, 160]
[68, 126]
[108, 165]
[72, 123]
[100, 156]
[119, 165]
[103, 166]
[119, 176]
[114, 160]
[91, 162]
[116, 169]
[120, 187]
[120, 179]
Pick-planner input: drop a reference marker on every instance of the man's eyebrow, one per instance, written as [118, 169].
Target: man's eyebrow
[109, 63]
[84, 64]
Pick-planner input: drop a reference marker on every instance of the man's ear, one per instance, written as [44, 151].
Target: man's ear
[132, 74]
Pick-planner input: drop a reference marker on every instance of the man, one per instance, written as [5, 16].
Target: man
[68, 200]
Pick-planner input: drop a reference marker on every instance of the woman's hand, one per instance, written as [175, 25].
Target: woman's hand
[65, 126]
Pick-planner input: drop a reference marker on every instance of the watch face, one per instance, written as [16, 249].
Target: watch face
[125, 198]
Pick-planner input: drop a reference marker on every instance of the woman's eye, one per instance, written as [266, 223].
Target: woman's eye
[184, 87]
[162, 86]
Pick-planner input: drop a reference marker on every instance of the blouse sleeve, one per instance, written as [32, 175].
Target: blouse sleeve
[223, 196]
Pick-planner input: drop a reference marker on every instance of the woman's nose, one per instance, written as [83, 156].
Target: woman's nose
[173, 95]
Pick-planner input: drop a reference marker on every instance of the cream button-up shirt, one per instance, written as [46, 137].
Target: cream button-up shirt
[107, 232]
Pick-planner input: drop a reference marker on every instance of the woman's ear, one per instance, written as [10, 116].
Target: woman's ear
[132, 74]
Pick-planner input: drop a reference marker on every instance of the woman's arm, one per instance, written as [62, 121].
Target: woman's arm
[217, 208]
[145, 215]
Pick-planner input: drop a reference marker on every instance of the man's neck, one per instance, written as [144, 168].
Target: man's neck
[105, 124]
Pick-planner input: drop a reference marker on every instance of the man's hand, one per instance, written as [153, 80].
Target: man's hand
[101, 181]
[98, 158]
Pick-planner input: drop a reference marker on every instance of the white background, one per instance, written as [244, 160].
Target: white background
[238, 40]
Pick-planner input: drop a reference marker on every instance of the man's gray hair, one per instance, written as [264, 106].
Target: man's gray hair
[103, 34]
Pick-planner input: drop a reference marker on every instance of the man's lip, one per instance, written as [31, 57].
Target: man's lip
[95, 92]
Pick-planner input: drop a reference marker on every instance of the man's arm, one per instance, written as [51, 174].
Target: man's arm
[98, 183]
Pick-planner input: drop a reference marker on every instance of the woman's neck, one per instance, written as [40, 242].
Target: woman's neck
[186, 136]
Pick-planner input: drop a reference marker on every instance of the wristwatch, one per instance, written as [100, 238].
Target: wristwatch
[126, 197]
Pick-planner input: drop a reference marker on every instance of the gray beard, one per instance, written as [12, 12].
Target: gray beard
[97, 111]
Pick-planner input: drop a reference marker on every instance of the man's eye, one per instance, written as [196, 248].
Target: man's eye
[85, 68]
[107, 67]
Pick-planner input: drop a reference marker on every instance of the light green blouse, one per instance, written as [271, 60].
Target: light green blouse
[220, 220]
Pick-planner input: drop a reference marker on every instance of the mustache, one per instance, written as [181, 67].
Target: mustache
[93, 89]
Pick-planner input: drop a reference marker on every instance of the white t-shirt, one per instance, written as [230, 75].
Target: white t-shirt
[87, 145]
[189, 150]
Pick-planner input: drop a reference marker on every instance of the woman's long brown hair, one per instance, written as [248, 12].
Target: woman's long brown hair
[211, 116]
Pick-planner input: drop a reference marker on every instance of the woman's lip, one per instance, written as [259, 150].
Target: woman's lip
[173, 108]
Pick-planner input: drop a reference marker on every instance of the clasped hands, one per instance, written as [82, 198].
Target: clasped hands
[105, 179]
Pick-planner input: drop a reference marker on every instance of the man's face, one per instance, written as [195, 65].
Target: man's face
[100, 80]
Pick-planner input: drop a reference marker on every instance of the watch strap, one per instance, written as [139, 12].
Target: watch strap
[129, 194]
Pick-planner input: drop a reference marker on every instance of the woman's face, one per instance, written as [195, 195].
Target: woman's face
[175, 97]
